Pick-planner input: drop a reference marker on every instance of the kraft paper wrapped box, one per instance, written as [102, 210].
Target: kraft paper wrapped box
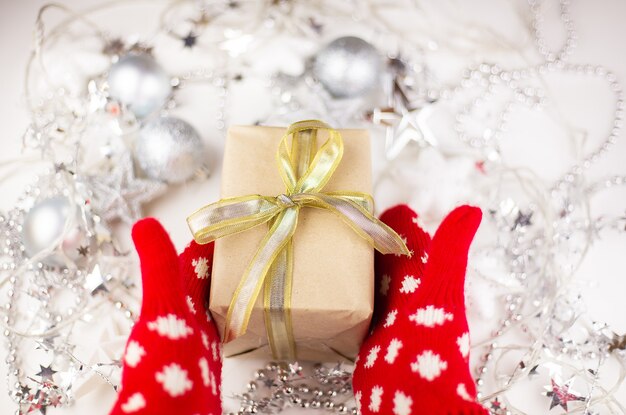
[333, 267]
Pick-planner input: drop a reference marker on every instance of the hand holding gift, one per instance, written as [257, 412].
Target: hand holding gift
[414, 362]
[416, 357]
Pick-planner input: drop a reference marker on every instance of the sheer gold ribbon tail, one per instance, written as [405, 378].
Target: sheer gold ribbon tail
[304, 172]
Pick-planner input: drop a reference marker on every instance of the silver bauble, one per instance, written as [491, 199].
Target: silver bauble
[139, 82]
[169, 149]
[348, 67]
[43, 226]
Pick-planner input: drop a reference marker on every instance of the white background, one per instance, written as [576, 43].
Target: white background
[586, 105]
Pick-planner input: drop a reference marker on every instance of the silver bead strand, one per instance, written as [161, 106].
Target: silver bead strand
[513, 303]
[616, 125]
[570, 32]
[282, 385]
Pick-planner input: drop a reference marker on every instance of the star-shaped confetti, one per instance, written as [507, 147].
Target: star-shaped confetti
[114, 47]
[190, 40]
[83, 250]
[46, 373]
[24, 390]
[47, 343]
[522, 220]
[118, 194]
[95, 281]
[561, 394]
[496, 407]
[62, 167]
[404, 120]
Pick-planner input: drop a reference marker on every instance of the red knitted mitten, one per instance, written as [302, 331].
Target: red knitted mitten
[172, 361]
[415, 361]
[195, 268]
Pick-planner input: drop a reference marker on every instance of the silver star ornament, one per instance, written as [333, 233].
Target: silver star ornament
[405, 122]
[119, 194]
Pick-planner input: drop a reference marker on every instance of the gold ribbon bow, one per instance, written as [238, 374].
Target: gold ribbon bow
[305, 171]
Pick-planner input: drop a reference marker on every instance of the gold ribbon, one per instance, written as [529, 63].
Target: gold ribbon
[304, 171]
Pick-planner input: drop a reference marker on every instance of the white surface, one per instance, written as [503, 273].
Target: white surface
[585, 105]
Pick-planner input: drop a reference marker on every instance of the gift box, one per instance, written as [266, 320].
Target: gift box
[332, 281]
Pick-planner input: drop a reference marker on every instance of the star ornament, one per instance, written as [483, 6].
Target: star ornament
[561, 394]
[118, 194]
[405, 122]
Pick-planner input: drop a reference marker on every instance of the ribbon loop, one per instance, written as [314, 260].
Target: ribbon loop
[230, 216]
[305, 170]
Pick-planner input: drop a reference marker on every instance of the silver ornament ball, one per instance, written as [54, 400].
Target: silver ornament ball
[43, 226]
[140, 83]
[169, 149]
[348, 67]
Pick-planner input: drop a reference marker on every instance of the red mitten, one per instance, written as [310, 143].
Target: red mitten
[195, 268]
[172, 361]
[415, 361]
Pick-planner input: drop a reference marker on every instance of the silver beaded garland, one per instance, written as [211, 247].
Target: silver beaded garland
[48, 287]
[140, 83]
[348, 67]
[283, 385]
[169, 149]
